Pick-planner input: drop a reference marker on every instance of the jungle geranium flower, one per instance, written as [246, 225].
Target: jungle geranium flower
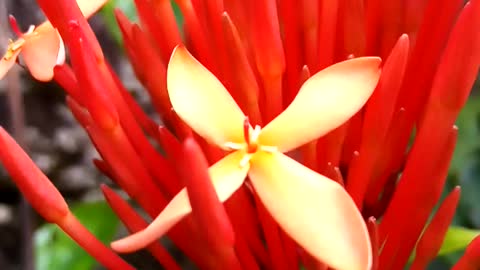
[312, 209]
[262, 51]
[41, 46]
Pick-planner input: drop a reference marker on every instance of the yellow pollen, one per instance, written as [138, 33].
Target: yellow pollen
[13, 47]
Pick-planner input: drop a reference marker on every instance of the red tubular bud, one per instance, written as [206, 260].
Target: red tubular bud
[334, 172]
[451, 85]
[130, 173]
[197, 35]
[153, 71]
[64, 76]
[158, 19]
[14, 25]
[431, 240]
[103, 167]
[378, 116]
[413, 16]
[450, 90]
[269, 57]
[327, 27]
[142, 118]
[61, 14]
[243, 85]
[399, 226]
[471, 258]
[309, 25]
[272, 237]
[291, 16]
[206, 207]
[134, 222]
[170, 144]
[85, 239]
[33, 184]
[80, 114]
[432, 36]
[92, 83]
[352, 25]
[392, 25]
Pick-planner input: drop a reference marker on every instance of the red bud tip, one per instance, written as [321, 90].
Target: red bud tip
[206, 206]
[33, 184]
[15, 28]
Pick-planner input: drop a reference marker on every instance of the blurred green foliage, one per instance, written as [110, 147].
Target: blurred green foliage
[128, 8]
[55, 250]
[456, 239]
[464, 171]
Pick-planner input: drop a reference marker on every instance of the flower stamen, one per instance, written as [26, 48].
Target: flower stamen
[245, 160]
[246, 130]
[13, 47]
[252, 144]
[233, 146]
[268, 148]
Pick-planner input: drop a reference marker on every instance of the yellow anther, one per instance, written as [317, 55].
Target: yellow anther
[13, 47]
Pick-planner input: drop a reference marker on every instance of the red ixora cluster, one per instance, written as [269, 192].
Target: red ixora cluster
[285, 65]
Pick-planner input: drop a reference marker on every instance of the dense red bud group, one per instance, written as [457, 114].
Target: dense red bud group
[263, 51]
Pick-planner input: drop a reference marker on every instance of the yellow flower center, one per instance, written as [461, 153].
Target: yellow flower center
[251, 144]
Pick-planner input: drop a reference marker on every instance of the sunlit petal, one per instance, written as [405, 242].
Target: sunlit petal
[314, 210]
[41, 51]
[227, 177]
[325, 101]
[44, 49]
[6, 63]
[202, 101]
[87, 7]
[227, 174]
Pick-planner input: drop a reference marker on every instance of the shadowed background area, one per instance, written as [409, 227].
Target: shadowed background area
[37, 116]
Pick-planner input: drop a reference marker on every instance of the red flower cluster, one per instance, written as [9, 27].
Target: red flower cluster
[263, 51]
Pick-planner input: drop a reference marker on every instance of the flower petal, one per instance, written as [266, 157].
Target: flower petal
[201, 101]
[227, 177]
[314, 210]
[6, 63]
[43, 48]
[324, 102]
[41, 51]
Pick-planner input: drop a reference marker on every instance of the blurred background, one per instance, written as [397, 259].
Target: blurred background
[36, 114]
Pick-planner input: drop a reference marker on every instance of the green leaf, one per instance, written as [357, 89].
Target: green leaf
[128, 7]
[468, 134]
[465, 166]
[55, 250]
[457, 238]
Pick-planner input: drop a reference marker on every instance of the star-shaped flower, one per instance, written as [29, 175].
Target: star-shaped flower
[315, 211]
[42, 47]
